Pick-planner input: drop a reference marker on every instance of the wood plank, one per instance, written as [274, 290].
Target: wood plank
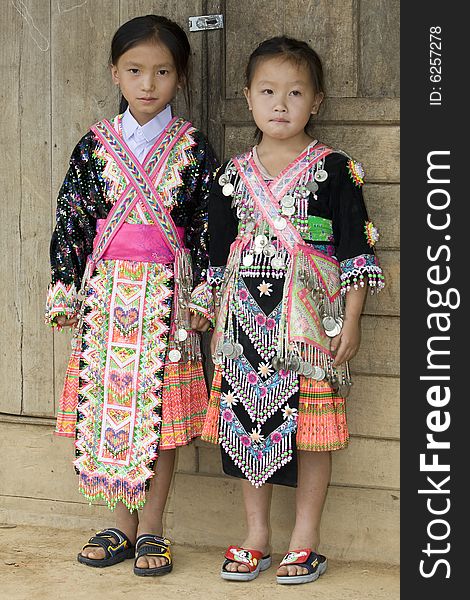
[379, 353]
[379, 40]
[265, 19]
[35, 141]
[329, 26]
[373, 407]
[13, 30]
[387, 301]
[82, 93]
[383, 206]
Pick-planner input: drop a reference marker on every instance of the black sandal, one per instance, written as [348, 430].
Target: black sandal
[116, 545]
[153, 545]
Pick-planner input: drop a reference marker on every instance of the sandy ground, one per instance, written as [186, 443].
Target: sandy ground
[37, 563]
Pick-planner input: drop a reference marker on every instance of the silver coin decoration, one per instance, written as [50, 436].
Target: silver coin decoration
[280, 223]
[227, 349]
[319, 373]
[248, 260]
[237, 349]
[174, 355]
[269, 250]
[275, 363]
[288, 210]
[321, 175]
[329, 324]
[181, 335]
[288, 201]
[228, 189]
[307, 368]
[294, 363]
[277, 263]
[261, 241]
[224, 179]
[312, 186]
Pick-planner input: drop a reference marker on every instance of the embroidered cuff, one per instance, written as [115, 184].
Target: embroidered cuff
[361, 270]
[202, 301]
[61, 300]
[215, 276]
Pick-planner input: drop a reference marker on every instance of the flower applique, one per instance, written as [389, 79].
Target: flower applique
[356, 172]
[372, 233]
[265, 289]
[264, 369]
[229, 399]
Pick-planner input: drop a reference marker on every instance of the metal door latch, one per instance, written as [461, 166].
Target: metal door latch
[205, 22]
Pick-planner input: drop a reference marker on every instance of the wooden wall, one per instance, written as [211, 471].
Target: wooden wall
[55, 85]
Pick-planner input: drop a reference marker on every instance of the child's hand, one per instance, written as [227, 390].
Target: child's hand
[346, 344]
[62, 321]
[199, 323]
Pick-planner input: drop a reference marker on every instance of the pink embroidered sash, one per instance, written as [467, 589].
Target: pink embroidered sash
[140, 187]
[138, 242]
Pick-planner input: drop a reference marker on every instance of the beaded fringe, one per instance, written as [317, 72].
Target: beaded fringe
[112, 491]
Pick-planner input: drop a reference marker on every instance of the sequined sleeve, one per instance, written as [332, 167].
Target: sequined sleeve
[206, 164]
[223, 229]
[354, 235]
[72, 239]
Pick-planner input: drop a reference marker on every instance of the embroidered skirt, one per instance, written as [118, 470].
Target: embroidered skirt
[131, 400]
[260, 416]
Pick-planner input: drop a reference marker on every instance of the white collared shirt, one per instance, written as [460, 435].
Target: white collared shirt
[140, 138]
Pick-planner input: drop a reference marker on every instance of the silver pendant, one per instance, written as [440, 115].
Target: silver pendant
[294, 363]
[227, 349]
[288, 210]
[248, 260]
[269, 250]
[280, 223]
[307, 369]
[310, 283]
[277, 263]
[174, 355]
[275, 363]
[237, 350]
[224, 179]
[312, 186]
[318, 373]
[321, 175]
[288, 201]
[228, 189]
[329, 324]
[261, 241]
[181, 335]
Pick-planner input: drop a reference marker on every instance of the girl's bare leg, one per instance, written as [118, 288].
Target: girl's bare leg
[257, 503]
[151, 515]
[314, 471]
